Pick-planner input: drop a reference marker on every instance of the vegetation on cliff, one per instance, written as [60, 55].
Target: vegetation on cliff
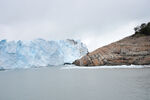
[142, 30]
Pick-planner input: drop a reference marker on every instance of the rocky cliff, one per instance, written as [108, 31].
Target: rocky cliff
[134, 49]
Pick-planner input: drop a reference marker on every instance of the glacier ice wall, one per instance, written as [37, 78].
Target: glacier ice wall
[39, 52]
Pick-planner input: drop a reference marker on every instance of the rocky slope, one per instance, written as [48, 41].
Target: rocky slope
[134, 49]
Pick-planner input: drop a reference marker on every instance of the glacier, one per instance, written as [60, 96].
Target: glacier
[39, 52]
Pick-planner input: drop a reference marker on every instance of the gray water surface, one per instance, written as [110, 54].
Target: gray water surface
[56, 83]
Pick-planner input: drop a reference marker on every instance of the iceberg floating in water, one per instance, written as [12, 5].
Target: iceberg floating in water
[39, 52]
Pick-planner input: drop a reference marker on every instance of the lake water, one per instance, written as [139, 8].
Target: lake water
[66, 83]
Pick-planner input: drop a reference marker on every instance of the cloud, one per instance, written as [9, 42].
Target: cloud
[88, 20]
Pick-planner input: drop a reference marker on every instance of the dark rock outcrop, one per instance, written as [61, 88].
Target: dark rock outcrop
[134, 49]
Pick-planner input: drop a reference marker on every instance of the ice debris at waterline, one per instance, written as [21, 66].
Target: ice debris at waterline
[39, 52]
[106, 67]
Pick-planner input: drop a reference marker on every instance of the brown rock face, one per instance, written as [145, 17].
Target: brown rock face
[130, 50]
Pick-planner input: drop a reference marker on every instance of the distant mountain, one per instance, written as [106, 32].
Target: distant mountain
[134, 49]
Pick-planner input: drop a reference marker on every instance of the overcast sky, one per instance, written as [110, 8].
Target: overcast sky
[95, 22]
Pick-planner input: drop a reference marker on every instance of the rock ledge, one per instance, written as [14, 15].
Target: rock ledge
[134, 49]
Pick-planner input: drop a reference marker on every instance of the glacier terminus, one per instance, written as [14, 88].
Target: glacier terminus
[39, 52]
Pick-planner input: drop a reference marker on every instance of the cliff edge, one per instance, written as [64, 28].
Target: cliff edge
[134, 49]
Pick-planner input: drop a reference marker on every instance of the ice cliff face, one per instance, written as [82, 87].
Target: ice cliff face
[25, 54]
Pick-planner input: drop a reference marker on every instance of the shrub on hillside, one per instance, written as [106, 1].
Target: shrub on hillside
[144, 29]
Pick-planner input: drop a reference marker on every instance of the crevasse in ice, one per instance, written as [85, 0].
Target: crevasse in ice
[39, 52]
